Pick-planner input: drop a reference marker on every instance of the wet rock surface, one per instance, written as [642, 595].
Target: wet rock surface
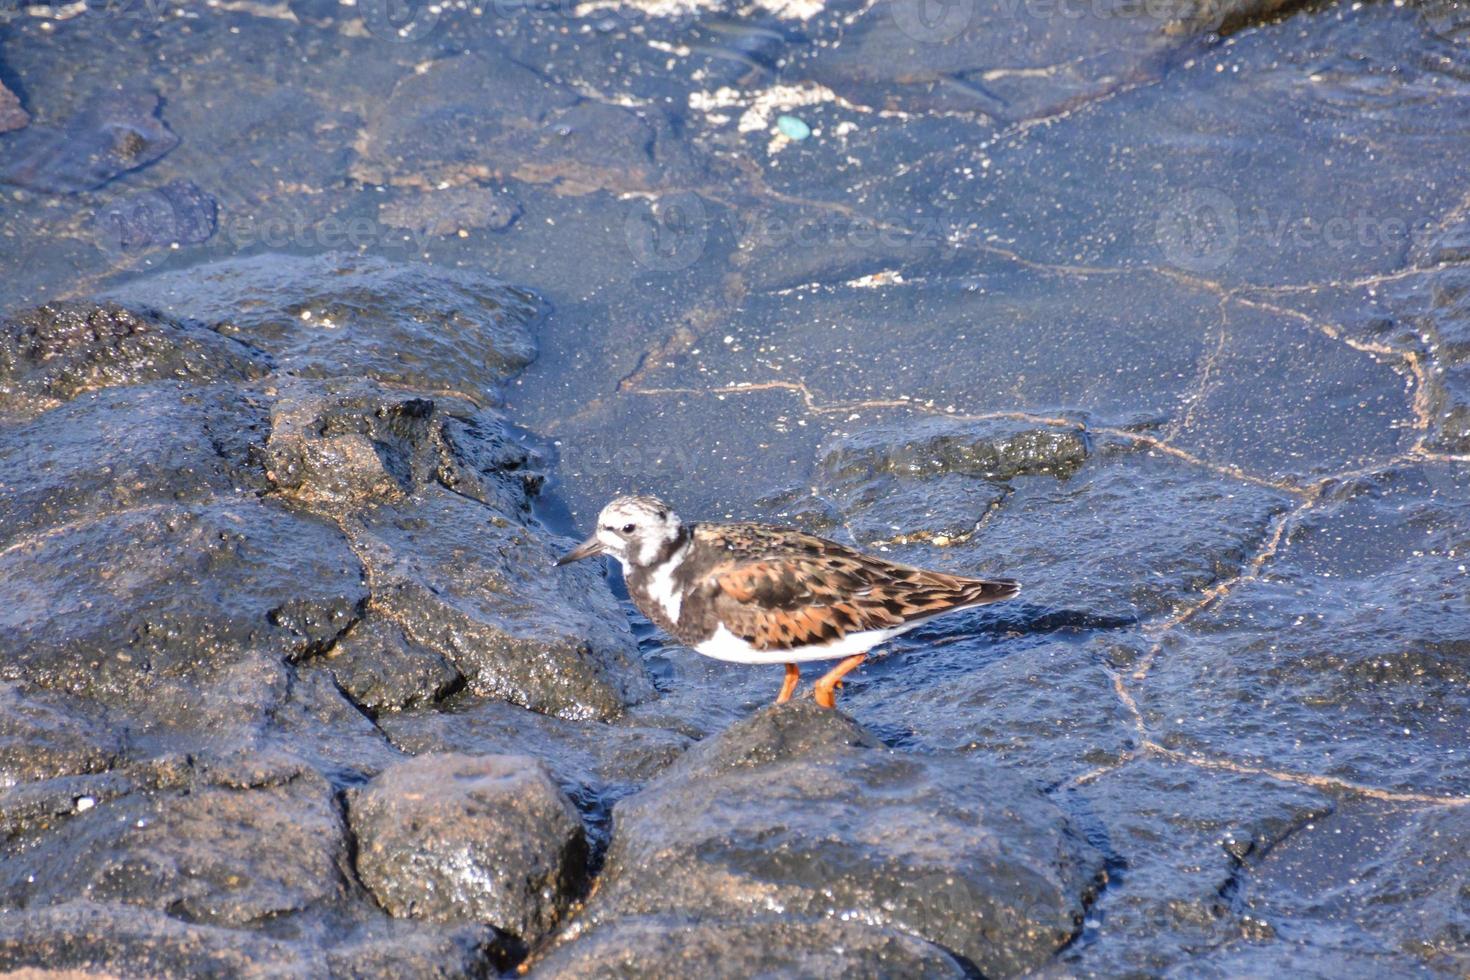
[1159, 308]
[676, 946]
[798, 814]
[488, 838]
[220, 568]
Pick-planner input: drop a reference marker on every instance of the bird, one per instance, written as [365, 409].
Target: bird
[765, 594]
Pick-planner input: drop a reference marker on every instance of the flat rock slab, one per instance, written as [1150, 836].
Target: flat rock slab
[1390, 881]
[797, 814]
[470, 838]
[1350, 657]
[1184, 843]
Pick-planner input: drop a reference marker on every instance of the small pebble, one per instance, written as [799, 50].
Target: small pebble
[793, 128]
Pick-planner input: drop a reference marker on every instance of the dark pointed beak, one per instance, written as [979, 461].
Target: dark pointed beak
[586, 549]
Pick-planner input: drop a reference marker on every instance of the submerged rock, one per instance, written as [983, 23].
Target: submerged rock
[115, 133]
[178, 213]
[797, 815]
[471, 119]
[452, 210]
[470, 838]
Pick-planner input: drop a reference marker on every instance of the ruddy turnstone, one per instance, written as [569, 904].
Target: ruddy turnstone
[760, 594]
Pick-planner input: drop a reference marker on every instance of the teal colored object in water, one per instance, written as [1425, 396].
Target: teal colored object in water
[793, 128]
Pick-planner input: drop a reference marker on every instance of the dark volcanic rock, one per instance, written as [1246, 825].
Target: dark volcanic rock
[1098, 534]
[117, 132]
[215, 854]
[1391, 883]
[1184, 841]
[670, 946]
[114, 939]
[122, 608]
[458, 837]
[338, 316]
[479, 590]
[381, 670]
[118, 448]
[178, 213]
[12, 116]
[596, 764]
[340, 444]
[1350, 655]
[43, 735]
[993, 449]
[797, 814]
[57, 351]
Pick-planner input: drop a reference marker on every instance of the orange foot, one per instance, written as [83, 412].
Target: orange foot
[833, 679]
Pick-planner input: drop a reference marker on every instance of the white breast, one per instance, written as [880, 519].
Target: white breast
[724, 645]
[661, 587]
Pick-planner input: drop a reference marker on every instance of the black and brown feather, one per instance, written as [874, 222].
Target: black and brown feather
[779, 588]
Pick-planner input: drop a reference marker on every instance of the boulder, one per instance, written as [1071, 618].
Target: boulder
[470, 838]
[798, 815]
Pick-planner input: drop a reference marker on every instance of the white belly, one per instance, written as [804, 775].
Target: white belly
[725, 645]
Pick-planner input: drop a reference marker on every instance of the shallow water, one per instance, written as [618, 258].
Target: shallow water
[1228, 272]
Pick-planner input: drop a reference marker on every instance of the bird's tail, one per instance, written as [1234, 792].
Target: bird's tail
[983, 591]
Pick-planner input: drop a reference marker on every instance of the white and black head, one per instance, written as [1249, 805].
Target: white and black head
[637, 531]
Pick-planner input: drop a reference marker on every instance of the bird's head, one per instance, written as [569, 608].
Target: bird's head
[637, 531]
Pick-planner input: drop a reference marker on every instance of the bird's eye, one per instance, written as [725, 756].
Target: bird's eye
[628, 528]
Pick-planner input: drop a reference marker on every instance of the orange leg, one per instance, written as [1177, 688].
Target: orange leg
[833, 678]
[793, 674]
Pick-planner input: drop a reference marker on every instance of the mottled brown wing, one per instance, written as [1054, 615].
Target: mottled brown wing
[826, 591]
